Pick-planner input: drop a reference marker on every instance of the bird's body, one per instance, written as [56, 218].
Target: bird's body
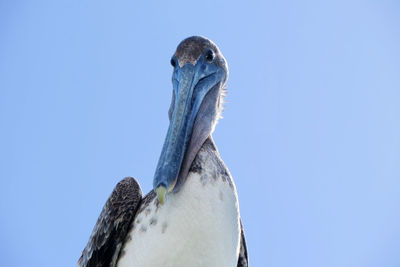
[197, 226]
[191, 218]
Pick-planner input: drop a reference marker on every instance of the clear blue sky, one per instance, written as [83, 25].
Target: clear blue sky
[311, 128]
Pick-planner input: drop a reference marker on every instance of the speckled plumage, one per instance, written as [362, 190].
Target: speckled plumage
[195, 227]
[112, 226]
[146, 216]
[198, 224]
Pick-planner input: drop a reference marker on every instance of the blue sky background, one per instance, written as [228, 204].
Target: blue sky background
[311, 128]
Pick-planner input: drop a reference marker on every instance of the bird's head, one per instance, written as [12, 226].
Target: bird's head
[199, 76]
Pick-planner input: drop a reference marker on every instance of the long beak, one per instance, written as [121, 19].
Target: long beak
[192, 116]
[179, 131]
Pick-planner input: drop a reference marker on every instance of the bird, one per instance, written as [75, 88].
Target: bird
[191, 216]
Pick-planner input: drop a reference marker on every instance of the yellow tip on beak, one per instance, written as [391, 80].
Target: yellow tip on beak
[161, 191]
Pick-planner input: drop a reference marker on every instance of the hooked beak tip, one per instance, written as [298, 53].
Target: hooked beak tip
[161, 192]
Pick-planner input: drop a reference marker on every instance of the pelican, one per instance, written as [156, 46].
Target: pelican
[191, 217]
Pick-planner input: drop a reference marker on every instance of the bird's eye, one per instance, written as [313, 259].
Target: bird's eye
[173, 62]
[210, 56]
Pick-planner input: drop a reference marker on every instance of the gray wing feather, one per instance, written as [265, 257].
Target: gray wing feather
[243, 260]
[112, 226]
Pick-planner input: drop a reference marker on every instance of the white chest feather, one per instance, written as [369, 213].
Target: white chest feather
[196, 227]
